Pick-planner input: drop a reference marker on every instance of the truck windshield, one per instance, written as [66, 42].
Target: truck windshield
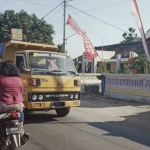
[40, 61]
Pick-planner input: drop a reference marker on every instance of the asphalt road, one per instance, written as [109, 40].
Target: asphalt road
[103, 125]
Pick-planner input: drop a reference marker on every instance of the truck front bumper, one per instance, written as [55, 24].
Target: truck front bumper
[51, 105]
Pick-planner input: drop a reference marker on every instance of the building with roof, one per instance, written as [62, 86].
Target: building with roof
[115, 56]
[127, 51]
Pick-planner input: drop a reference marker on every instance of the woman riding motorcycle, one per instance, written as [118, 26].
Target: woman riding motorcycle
[11, 89]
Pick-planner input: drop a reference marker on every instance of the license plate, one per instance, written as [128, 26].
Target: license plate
[75, 103]
[58, 104]
[12, 131]
[38, 105]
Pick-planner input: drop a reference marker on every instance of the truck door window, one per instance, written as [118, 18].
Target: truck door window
[20, 58]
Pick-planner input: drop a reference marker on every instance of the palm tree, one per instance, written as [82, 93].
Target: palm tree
[128, 37]
[141, 64]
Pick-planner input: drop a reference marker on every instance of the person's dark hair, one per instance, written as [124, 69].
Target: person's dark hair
[9, 69]
[9, 61]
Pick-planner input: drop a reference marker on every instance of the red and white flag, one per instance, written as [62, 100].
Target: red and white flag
[89, 48]
[135, 12]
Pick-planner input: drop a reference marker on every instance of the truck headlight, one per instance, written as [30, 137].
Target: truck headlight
[34, 97]
[40, 97]
[71, 96]
[76, 96]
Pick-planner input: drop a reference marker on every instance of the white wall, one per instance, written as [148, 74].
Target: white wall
[105, 55]
[102, 55]
[128, 87]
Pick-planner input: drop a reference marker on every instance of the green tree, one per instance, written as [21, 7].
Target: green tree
[120, 71]
[125, 68]
[60, 48]
[104, 67]
[34, 29]
[141, 64]
[128, 37]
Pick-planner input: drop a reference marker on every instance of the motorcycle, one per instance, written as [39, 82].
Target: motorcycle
[10, 131]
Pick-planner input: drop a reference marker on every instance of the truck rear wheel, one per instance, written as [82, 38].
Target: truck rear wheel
[62, 112]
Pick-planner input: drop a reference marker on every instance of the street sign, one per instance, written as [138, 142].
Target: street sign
[16, 34]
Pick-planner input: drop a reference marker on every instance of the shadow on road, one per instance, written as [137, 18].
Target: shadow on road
[129, 128]
[36, 118]
[96, 101]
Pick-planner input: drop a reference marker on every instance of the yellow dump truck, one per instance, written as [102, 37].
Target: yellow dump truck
[50, 80]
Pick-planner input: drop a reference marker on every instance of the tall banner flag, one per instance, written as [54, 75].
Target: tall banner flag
[89, 48]
[135, 12]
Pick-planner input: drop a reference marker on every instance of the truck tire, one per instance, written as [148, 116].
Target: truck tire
[62, 112]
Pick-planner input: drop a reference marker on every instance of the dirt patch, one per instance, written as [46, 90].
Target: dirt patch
[132, 114]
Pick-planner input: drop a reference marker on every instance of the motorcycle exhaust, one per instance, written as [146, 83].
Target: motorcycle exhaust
[16, 139]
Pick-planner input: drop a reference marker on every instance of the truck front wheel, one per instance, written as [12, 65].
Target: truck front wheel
[62, 112]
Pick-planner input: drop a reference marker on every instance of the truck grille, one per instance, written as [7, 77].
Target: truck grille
[52, 96]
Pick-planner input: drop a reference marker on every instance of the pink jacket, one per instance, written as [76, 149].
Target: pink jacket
[11, 89]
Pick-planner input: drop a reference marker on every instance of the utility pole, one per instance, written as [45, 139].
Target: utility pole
[102, 58]
[64, 32]
[102, 50]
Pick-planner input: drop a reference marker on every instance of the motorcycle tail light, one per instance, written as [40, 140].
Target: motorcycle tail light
[14, 115]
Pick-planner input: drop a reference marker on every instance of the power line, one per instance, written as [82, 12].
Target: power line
[80, 2]
[38, 2]
[94, 30]
[7, 3]
[99, 19]
[54, 13]
[41, 4]
[108, 6]
[52, 10]
[57, 18]
[114, 23]
[45, 1]
[57, 21]
[3, 1]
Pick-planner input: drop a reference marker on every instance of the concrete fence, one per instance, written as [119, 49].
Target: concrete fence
[127, 87]
[90, 83]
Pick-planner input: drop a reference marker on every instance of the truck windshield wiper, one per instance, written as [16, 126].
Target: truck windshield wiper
[50, 72]
[56, 71]
[72, 72]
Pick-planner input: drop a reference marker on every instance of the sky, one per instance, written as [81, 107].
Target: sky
[115, 13]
